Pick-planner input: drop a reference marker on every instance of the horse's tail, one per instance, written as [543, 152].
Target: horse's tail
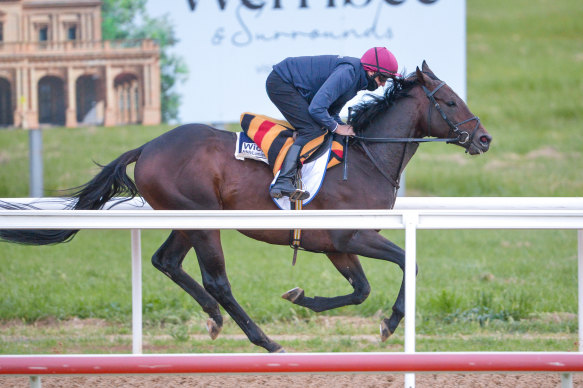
[111, 182]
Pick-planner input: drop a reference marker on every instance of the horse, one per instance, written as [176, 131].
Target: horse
[192, 167]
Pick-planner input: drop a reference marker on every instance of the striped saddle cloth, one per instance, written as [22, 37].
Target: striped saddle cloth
[275, 137]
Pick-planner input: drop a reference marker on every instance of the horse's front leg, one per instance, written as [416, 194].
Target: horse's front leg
[371, 244]
[349, 266]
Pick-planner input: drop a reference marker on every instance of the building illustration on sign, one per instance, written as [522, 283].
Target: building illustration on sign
[55, 69]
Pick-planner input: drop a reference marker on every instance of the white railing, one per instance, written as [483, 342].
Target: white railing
[409, 214]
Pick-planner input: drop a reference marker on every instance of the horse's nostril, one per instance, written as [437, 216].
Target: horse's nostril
[484, 139]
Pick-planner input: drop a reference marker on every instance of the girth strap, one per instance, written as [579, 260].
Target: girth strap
[296, 239]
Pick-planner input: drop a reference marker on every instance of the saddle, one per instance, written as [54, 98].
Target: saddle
[275, 137]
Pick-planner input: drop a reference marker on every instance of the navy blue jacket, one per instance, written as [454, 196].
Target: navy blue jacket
[327, 82]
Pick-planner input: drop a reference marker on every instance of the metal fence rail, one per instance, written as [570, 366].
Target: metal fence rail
[561, 362]
[409, 214]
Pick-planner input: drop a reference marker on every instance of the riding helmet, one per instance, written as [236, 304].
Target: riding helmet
[380, 60]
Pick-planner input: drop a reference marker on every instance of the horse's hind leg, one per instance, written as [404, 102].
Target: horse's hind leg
[209, 252]
[349, 266]
[168, 259]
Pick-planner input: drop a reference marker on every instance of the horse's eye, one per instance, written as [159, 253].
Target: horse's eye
[450, 103]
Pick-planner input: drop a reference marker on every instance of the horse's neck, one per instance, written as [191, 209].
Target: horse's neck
[395, 123]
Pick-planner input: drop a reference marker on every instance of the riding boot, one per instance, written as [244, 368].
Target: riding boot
[284, 185]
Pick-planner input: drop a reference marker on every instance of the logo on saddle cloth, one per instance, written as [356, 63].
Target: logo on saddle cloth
[275, 137]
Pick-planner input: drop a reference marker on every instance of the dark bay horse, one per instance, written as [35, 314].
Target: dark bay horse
[192, 167]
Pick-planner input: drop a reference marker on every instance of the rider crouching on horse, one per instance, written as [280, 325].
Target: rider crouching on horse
[311, 91]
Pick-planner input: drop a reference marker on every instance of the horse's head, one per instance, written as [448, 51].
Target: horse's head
[449, 116]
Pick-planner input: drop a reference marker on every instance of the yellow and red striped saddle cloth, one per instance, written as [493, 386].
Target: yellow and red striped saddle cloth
[275, 137]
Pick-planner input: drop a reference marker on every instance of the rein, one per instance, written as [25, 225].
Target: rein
[364, 139]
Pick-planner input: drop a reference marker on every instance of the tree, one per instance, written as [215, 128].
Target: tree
[128, 20]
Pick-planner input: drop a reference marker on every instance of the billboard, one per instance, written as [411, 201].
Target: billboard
[230, 46]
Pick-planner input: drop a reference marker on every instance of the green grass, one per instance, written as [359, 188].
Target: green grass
[69, 155]
[498, 289]
[88, 279]
[476, 290]
[524, 65]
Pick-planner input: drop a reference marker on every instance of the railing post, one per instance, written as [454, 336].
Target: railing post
[35, 150]
[136, 292]
[35, 382]
[410, 220]
[566, 380]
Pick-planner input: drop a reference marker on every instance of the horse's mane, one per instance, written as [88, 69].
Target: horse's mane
[365, 112]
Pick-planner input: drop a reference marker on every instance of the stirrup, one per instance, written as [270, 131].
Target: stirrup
[299, 195]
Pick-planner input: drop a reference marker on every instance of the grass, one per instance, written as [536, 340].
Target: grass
[88, 280]
[323, 333]
[69, 155]
[476, 290]
[524, 60]
[497, 292]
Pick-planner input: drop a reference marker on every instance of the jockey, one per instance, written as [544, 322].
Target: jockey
[311, 91]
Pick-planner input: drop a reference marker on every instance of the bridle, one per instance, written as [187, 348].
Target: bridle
[462, 138]
[453, 128]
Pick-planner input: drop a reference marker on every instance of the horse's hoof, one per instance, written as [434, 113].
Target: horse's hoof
[385, 331]
[280, 350]
[293, 294]
[213, 328]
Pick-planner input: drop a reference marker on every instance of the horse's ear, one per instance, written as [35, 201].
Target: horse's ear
[426, 68]
[421, 76]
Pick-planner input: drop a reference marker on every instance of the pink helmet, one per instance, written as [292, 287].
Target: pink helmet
[380, 60]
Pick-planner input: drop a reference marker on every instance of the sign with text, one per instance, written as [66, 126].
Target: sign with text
[230, 46]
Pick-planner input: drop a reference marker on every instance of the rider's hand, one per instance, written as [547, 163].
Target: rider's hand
[345, 130]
